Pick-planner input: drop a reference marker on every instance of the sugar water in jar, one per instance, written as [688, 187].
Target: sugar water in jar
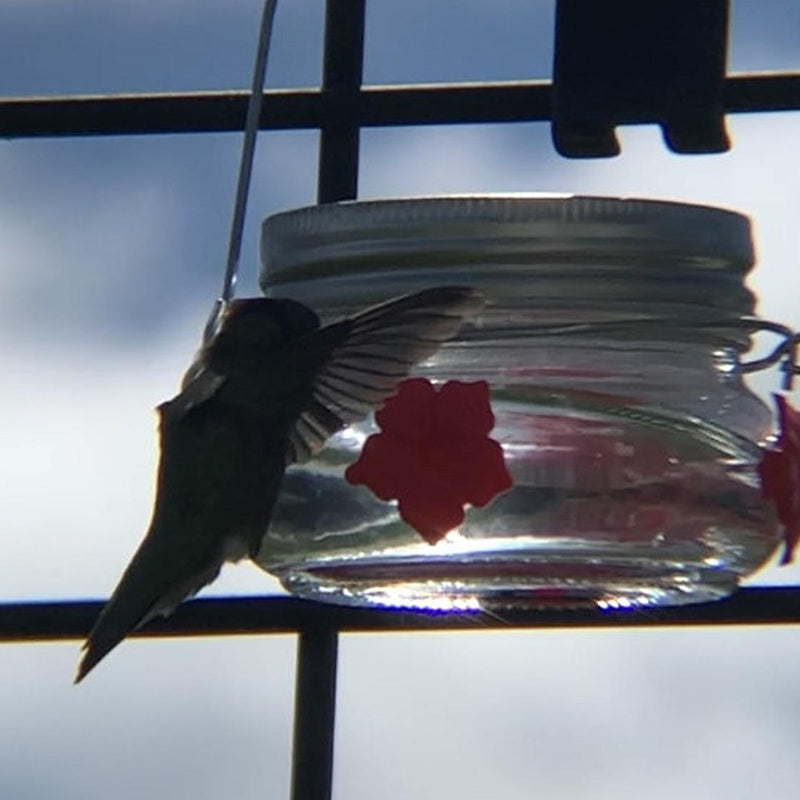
[610, 342]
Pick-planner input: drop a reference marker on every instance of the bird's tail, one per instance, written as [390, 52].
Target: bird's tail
[139, 597]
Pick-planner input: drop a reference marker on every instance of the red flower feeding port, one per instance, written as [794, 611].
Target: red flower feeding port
[434, 454]
[780, 476]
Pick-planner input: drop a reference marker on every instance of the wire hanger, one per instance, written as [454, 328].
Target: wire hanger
[228, 288]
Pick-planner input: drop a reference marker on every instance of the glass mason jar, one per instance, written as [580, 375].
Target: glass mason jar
[610, 341]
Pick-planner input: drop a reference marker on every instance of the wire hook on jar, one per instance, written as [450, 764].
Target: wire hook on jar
[785, 352]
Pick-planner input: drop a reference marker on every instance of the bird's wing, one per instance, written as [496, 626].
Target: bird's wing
[363, 358]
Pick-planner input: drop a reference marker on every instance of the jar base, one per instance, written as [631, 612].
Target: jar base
[494, 582]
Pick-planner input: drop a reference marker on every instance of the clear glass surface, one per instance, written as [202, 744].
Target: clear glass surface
[610, 342]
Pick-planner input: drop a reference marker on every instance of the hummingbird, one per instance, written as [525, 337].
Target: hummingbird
[267, 388]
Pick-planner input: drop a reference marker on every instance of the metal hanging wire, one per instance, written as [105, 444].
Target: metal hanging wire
[245, 167]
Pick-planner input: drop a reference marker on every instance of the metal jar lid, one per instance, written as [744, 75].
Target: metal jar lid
[548, 250]
[350, 232]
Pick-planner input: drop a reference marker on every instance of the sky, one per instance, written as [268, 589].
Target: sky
[111, 251]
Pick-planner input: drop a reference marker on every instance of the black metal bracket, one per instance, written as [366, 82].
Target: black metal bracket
[619, 61]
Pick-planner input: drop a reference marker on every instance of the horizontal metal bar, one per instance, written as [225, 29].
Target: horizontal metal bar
[766, 91]
[377, 106]
[199, 112]
[47, 621]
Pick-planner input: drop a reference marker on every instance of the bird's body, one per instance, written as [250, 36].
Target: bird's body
[267, 390]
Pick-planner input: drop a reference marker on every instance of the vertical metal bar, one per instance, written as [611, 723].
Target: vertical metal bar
[314, 714]
[343, 69]
[337, 179]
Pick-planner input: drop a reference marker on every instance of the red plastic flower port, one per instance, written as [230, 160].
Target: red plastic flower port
[433, 454]
[780, 476]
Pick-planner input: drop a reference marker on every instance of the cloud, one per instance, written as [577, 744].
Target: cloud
[114, 237]
[763, 35]
[79, 455]
[570, 714]
[89, 46]
[196, 721]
